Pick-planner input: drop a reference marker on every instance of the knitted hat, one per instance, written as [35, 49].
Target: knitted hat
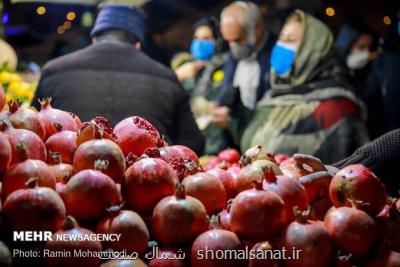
[120, 17]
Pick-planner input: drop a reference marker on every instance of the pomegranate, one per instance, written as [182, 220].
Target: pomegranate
[254, 172]
[353, 230]
[5, 254]
[208, 189]
[146, 182]
[58, 246]
[254, 153]
[89, 193]
[358, 183]
[34, 209]
[133, 230]
[229, 155]
[211, 163]
[389, 259]
[55, 119]
[102, 154]
[5, 153]
[2, 98]
[184, 167]
[227, 180]
[179, 219]
[289, 189]
[24, 118]
[320, 207]
[257, 214]
[208, 250]
[261, 251]
[234, 170]
[97, 127]
[124, 263]
[311, 238]
[24, 143]
[389, 229]
[76, 118]
[62, 172]
[136, 134]
[279, 158]
[17, 176]
[165, 258]
[225, 218]
[169, 153]
[63, 143]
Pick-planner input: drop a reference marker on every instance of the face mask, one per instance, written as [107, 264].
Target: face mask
[357, 59]
[282, 58]
[239, 51]
[202, 49]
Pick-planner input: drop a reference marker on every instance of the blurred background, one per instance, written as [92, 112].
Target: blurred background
[41, 30]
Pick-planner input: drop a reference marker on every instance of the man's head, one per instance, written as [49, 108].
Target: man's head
[243, 27]
[119, 23]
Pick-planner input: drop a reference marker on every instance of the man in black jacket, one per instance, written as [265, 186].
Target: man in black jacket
[113, 78]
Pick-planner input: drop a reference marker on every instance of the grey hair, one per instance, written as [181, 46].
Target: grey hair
[248, 18]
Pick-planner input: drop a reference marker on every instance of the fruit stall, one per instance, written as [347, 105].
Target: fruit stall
[168, 207]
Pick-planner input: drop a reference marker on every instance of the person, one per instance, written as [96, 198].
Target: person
[309, 109]
[246, 70]
[113, 78]
[382, 156]
[382, 93]
[356, 48]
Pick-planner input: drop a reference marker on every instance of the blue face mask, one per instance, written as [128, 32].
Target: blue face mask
[282, 58]
[202, 49]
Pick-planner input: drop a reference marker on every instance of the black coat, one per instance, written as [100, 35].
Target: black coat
[117, 81]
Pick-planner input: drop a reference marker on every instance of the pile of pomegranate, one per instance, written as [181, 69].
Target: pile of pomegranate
[70, 177]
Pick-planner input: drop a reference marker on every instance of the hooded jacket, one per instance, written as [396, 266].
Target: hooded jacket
[312, 111]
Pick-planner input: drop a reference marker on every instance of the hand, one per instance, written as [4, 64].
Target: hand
[221, 116]
[189, 70]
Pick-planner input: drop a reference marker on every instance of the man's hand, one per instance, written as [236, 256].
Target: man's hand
[189, 70]
[221, 116]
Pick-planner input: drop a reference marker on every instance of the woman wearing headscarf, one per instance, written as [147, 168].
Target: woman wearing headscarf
[309, 108]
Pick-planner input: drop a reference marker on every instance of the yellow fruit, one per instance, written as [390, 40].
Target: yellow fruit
[14, 87]
[5, 77]
[9, 97]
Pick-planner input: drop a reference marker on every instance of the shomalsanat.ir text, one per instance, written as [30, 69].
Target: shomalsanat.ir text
[249, 254]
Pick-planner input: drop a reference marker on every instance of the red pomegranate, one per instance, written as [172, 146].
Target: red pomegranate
[146, 182]
[209, 249]
[257, 214]
[124, 263]
[254, 172]
[17, 176]
[211, 163]
[76, 118]
[62, 172]
[263, 248]
[208, 189]
[311, 239]
[5, 153]
[225, 218]
[24, 118]
[24, 143]
[254, 153]
[34, 209]
[279, 158]
[358, 183]
[234, 170]
[389, 228]
[227, 180]
[2, 98]
[88, 195]
[184, 167]
[169, 153]
[59, 246]
[165, 258]
[229, 155]
[136, 134]
[179, 219]
[320, 207]
[352, 230]
[55, 119]
[5, 254]
[389, 259]
[290, 190]
[97, 128]
[101, 154]
[63, 143]
[133, 230]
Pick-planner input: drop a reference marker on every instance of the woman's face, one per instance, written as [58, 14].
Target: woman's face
[203, 33]
[363, 43]
[292, 33]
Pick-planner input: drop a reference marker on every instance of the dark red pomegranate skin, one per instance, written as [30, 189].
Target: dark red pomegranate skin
[167, 257]
[146, 182]
[133, 230]
[63, 143]
[225, 219]
[358, 183]
[227, 180]
[101, 149]
[17, 176]
[135, 135]
[5, 153]
[215, 240]
[169, 153]
[229, 155]
[352, 230]
[264, 262]
[88, 195]
[34, 209]
[208, 189]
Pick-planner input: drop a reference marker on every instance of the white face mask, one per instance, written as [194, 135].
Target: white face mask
[357, 59]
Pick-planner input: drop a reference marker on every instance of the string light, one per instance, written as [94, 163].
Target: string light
[67, 25]
[60, 29]
[387, 20]
[71, 15]
[41, 10]
[330, 11]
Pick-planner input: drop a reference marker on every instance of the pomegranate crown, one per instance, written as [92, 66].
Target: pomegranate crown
[45, 102]
[14, 105]
[180, 191]
[301, 215]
